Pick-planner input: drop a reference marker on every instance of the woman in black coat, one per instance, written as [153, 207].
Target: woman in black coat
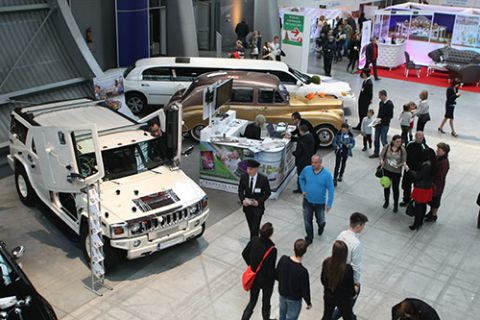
[265, 278]
[422, 191]
[337, 279]
[452, 95]
[414, 309]
[354, 51]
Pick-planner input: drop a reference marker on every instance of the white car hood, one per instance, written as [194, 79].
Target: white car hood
[117, 197]
[327, 85]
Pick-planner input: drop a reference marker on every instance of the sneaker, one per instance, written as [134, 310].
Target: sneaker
[340, 179]
[373, 156]
[321, 228]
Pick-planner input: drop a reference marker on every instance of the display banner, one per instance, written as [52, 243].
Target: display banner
[295, 39]
[109, 87]
[366, 35]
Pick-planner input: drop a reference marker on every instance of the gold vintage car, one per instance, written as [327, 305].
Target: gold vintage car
[258, 93]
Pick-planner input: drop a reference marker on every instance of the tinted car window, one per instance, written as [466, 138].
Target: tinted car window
[188, 74]
[157, 74]
[242, 95]
[278, 98]
[284, 77]
[265, 96]
[19, 129]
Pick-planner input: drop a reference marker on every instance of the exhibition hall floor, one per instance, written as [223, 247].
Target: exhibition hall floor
[201, 279]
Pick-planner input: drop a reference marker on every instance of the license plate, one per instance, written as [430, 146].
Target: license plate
[169, 243]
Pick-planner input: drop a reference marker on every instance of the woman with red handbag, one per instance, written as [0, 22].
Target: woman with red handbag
[260, 255]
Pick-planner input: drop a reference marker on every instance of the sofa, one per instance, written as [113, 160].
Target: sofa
[461, 64]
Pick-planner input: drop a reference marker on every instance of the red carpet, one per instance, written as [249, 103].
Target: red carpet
[439, 79]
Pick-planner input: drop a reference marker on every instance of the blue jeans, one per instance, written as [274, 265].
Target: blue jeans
[308, 210]
[381, 133]
[289, 309]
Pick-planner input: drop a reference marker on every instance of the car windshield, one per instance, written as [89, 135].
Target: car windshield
[305, 78]
[135, 158]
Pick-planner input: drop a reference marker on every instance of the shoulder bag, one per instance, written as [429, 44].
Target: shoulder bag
[248, 276]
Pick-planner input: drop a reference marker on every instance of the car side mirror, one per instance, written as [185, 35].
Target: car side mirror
[299, 83]
[18, 252]
[188, 151]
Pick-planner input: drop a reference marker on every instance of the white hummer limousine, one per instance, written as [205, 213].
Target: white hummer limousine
[147, 203]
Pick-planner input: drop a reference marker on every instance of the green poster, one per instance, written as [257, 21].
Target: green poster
[293, 29]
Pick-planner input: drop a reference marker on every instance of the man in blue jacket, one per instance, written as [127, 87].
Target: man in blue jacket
[315, 182]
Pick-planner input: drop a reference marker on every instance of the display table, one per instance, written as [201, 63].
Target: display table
[391, 55]
[223, 155]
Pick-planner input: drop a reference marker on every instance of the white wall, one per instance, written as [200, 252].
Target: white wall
[348, 5]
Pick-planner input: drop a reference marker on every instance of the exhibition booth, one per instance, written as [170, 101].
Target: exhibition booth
[224, 154]
[424, 28]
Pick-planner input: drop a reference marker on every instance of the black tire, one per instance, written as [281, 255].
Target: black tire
[112, 255]
[326, 134]
[24, 189]
[136, 102]
[195, 132]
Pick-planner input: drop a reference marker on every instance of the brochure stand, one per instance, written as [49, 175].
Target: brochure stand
[97, 257]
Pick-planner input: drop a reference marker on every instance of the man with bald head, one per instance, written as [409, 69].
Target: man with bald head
[414, 162]
[316, 182]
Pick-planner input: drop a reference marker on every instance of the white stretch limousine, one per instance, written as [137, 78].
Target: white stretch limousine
[153, 81]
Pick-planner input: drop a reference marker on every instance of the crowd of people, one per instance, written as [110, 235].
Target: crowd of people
[408, 168]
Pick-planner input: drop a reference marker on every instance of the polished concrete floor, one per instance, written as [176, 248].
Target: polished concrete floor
[201, 279]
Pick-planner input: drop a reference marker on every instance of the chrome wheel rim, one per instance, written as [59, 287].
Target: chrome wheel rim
[196, 132]
[325, 137]
[22, 186]
[135, 104]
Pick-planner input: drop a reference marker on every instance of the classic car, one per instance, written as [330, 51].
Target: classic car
[258, 93]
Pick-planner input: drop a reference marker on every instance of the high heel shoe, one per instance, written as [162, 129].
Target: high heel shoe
[432, 218]
[441, 130]
[454, 134]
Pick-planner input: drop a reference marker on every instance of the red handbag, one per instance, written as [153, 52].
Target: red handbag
[249, 276]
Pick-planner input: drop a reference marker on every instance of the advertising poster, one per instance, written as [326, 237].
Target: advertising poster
[399, 26]
[442, 28]
[366, 35]
[465, 31]
[420, 27]
[222, 165]
[110, 88]
[293, 29]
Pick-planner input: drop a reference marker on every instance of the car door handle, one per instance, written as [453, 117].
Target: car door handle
[145, 85]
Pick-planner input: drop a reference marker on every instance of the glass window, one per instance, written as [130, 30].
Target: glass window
[188, 74]
[157, 74]
[284, 77]
[278, 97]
[19, 130]
[305, 78]
[265, 96]
[242, 95]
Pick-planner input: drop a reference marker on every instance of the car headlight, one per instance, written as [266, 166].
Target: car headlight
[194, 209]
[136, 228]
[118, 230]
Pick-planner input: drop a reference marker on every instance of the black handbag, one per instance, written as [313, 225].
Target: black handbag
[410, 211]
[424, 117]
[379, 173]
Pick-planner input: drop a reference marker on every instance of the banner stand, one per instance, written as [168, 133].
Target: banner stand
[97, 256]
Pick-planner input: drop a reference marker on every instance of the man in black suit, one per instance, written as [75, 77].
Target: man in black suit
[253, 191]
[365, 96]
[299, 121]
[372, 55]
[254, 129]
[303, 152]
[414, 309]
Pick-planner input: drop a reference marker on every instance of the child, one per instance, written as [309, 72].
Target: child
[413, 108]
[405, 118]
[367, 130]
[343, 145]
